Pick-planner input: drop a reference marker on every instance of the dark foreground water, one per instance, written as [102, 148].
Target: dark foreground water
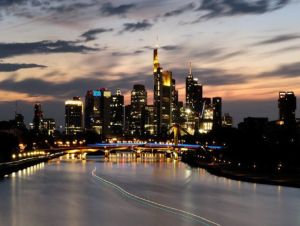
[141, 193]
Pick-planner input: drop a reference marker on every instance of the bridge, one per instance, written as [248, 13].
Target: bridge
[141, 147]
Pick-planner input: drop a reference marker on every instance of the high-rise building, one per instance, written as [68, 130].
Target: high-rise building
[97, 111]
[217, 107]
[175, 108]
[148, 126]
[287, 107]
[138, 102]
[162, 97]
[117, 113]
[206, 122]
[127, 120]
[38, 118]
[49, 126]
[73, 116]
[194, 92]
[189, 86]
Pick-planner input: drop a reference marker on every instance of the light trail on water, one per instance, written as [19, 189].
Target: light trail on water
[183, 213]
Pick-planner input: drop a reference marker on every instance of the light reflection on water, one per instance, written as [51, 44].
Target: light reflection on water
[62, 192]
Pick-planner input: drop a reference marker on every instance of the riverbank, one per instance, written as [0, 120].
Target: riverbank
[276, 178]
[10, 167]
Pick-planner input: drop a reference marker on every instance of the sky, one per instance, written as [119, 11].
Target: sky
[245, 51]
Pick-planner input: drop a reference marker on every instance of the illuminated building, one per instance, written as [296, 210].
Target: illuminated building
[127, 119]
[217, 106]
[73, 116]
[117, 113]
[49, 126]
[38, 118]
[193, 93]
[227, 121]
[206, 123]
[148, 126]
[287, 107]
[138, 102]
[175, 107]
[97, 111]
[162, 97]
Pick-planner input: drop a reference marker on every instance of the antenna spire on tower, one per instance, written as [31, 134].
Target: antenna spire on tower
[157, 45]
[190, 68]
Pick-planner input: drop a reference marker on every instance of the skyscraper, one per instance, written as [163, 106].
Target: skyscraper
[73, 116]
[287, 107]
[138, 102]
[189, 86]
[194, 92]
[38, 118]
[162, 97]
[148, 126]
[49, 126]
[97, 111]
[217, 107]
[117, 113]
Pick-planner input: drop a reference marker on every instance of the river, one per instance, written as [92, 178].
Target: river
[143, 192]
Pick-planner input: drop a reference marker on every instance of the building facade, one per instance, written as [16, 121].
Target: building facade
[74, 116]
[138, 103]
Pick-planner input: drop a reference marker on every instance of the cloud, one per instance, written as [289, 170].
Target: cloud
[216, 54]
[66, 8]
[127, 53]
[283, 50]
[166, 47]
[75, 87]
[279, 39]
[287, 71]
[180, 10]
[108, 9]
[16, 67]
[138, 26]
[171, 47]
[5, 3]
[42, 47]
[90, 35]
[210, 76]
[221, 8]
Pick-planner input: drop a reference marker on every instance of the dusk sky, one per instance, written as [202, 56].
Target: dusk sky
[245, 51]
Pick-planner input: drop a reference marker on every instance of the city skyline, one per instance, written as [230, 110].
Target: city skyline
[233, 62]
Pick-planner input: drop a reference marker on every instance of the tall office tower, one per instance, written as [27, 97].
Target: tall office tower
[49, 126]
[217, 107]
[138, 102]
[73, 116]
[117, 113]
[194, 92]
[206, 103]
[148, 126]
[287, 107]
[38, 118]
[157, 72]
[174, 105]
[97, 111]
[197, 96]
[127, 120]
[162, 97]
[189, 84]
